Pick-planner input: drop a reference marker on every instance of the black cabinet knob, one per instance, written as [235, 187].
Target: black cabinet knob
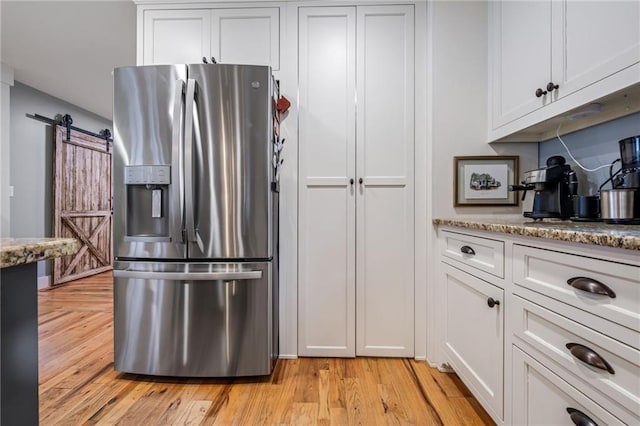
[551, 87]
[492, 302]
[360, 181]
[540, 92]
[351, 181]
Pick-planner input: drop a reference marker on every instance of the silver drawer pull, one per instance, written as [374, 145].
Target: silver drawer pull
[189, 276]
[588, 356]
[579, 418]
[591, 286]
[467, 250]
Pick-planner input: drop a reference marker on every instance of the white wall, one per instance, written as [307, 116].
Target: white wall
[6, 82]
[458, 106]
[31, 158]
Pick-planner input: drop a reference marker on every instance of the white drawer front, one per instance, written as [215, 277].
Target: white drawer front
[542, 398]
[548, 272]
[618, 375]
[481, 253]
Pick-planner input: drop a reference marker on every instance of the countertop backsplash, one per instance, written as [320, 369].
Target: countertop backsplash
[592, 147]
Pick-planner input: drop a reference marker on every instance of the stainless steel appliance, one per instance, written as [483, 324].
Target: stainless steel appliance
[629, 177]
[621, 204]
[195, 220]
[554, 187]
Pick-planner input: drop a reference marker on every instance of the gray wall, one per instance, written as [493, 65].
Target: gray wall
[592, 147]
[31, 158]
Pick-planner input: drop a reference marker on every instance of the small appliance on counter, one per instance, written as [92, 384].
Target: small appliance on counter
[554, 186]
[621, 204]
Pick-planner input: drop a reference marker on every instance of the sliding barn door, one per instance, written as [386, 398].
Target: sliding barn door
[82, 204]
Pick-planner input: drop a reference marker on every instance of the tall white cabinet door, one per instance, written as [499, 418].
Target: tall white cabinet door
[246, 36]
[521, 57]
[176, 36]
[326, 285]
[384, 212]
[593, 40]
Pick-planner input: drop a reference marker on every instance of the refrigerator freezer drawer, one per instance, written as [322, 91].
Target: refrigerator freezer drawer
[193, 320]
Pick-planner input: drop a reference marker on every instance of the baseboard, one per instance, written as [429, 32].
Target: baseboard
[288, 356]
[44, 281]
[420, 358]
[445, 368]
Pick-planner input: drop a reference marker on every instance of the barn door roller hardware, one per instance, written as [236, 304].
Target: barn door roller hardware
[66, 121]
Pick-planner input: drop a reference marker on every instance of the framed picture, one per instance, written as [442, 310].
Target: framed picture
[485, 180]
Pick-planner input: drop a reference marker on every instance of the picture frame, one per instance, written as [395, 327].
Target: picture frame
[484, 180]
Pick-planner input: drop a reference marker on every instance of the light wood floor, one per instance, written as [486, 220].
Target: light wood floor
[78, 384]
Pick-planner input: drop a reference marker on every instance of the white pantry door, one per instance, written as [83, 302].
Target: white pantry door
[326, 308]
[356, 211]
[385, 199]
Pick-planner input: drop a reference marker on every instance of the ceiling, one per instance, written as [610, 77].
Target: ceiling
[68, 49]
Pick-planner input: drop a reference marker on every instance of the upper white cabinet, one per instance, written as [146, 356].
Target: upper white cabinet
[547, 57]
[246, 36]
[356, 144]
[232, 36]
[175, 36]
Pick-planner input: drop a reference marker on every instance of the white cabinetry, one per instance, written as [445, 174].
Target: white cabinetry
[175, 36]
[542, 398]
[565, 339]
[473, 335]
[473, 327]
[236, 36]
[356, 181]
[579, 316]
[548, 57]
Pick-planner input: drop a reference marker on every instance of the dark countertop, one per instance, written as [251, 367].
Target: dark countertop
[596, 233]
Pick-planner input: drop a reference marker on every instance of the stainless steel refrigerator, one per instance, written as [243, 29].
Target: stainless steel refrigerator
[196, 152]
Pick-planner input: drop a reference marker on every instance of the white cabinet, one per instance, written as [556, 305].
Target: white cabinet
[246, 36]
[548, 57]
[175, 36]
[473, 335]
[542, 398]
[566, 334]
[232, 36]
[356, 181]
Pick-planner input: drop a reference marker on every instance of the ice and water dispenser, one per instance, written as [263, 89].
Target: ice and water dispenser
[147, 202]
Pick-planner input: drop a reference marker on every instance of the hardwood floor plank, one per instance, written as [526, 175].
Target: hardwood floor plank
[78, 385]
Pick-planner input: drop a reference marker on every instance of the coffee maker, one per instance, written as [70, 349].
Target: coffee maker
[554, 187]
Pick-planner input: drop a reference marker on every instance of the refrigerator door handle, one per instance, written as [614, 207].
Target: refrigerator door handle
[188, 153]
[177, 193]
[189, 276]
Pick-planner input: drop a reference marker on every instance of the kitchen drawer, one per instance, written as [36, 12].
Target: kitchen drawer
[550, 333]
[549, 272]
[540, 397]
[481, 253]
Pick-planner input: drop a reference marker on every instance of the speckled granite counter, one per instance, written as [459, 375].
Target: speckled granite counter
[16, 251]
[596, 233]
[19, 319]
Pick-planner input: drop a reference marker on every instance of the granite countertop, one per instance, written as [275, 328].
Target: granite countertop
[16, 251]
[596, 233]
